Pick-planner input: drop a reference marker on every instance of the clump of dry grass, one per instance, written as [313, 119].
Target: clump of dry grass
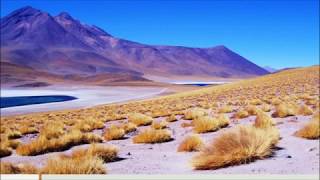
[13, 134]
[113, 133]
[74, 165]
[128, 127]
[159, 125]
[237, 146]
[89, 124]
[225, 109]
[223, 120]
[153, 136]
[9, 168]
[191, 143]
[285, 110]
[140, 119]
[305, 110]
[52, 130]
[263, 120]
[311, 130]
[205, 124]
[28, 130]
[184, 124]
[107, 153]
[171, 118]
[194, 113]
[240, 114]
[252, 110]
[266, 108]
[43, 145]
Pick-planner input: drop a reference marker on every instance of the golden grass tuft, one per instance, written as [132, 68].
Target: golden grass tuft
[9, 168]
[240, 145]
[113, 133]
[153, 136]
[194, 113]
[140, 119]
[266, 108]
[205, 124]
[284, 110]
[191, 143]
[240, 114]
[42, 145]
[223, 120]
[311, 130]
[28, 130]
[52, 130]
[305, 110]
[159, 125]
[225, 109]
[171, 118]
[74, 165]
[107, 153]
[129, 127]
[252, 110]
[263, 121]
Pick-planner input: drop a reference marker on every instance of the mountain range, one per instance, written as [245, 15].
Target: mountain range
[64, 46]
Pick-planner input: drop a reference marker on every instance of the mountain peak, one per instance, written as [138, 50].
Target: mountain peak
[25, 11]
[65, 15]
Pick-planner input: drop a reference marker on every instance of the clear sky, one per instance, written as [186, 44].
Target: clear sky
[277, 33]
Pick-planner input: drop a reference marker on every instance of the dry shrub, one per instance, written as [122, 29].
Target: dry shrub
[74, 165]
[42, 145]
[28, 130]
[140, 119]
[263, 120]
[223, 120]
[240, 145]
[252, 110]
[153, 136]
[171, 118]
[191, 143]
[311, 130]
[184, 124]
[276, 101]
[159, 125]
[205, 124]
[266, 108]
[128, 127]
[240, 114]
[285, 110]
[9, 168]
[107, 153]
[225, 109]
[194, 113]
[52, 130]
[113, 133]
[89, 124]
[305, 110]
[12, 134]
[256, 102]
[5, 149]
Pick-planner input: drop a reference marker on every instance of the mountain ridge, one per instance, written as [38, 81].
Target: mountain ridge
[64, 45]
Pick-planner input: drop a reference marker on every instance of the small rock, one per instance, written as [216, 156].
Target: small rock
[312, 149]
[150, 148]
[288, 156]
[129, 154]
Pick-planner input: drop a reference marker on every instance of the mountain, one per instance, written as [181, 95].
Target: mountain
[270, 69]
[62, 45]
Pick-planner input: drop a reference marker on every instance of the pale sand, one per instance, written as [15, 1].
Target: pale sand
[87, 97]
[297, 155]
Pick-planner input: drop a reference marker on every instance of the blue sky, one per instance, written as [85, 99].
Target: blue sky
[277, 33]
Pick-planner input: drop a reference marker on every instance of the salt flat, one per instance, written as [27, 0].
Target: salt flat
[86, 97]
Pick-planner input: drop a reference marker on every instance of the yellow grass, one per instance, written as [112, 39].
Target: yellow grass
[153, 136]
[74, 165]
[42, 145]
[129, 127]
[240, 114]
[286, 109]
[263, 121]
[225, 109]
[194, 113]
[311, 130]
[52, 130]
[107, 153]
[205, 124]
[9, 168]
[159, 125]
[113, 133]
[191, 143]
[252, 110]
[266, 108]
[140, 119]
[223, 120]
[171, 118]
[240, 145]
[305, 110]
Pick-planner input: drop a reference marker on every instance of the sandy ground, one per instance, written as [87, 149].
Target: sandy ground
[87, 97]
[294, 155]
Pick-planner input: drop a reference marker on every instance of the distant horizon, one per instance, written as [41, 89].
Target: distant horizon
[265, 35]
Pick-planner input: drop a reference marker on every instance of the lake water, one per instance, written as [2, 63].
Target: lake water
[27, 100]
